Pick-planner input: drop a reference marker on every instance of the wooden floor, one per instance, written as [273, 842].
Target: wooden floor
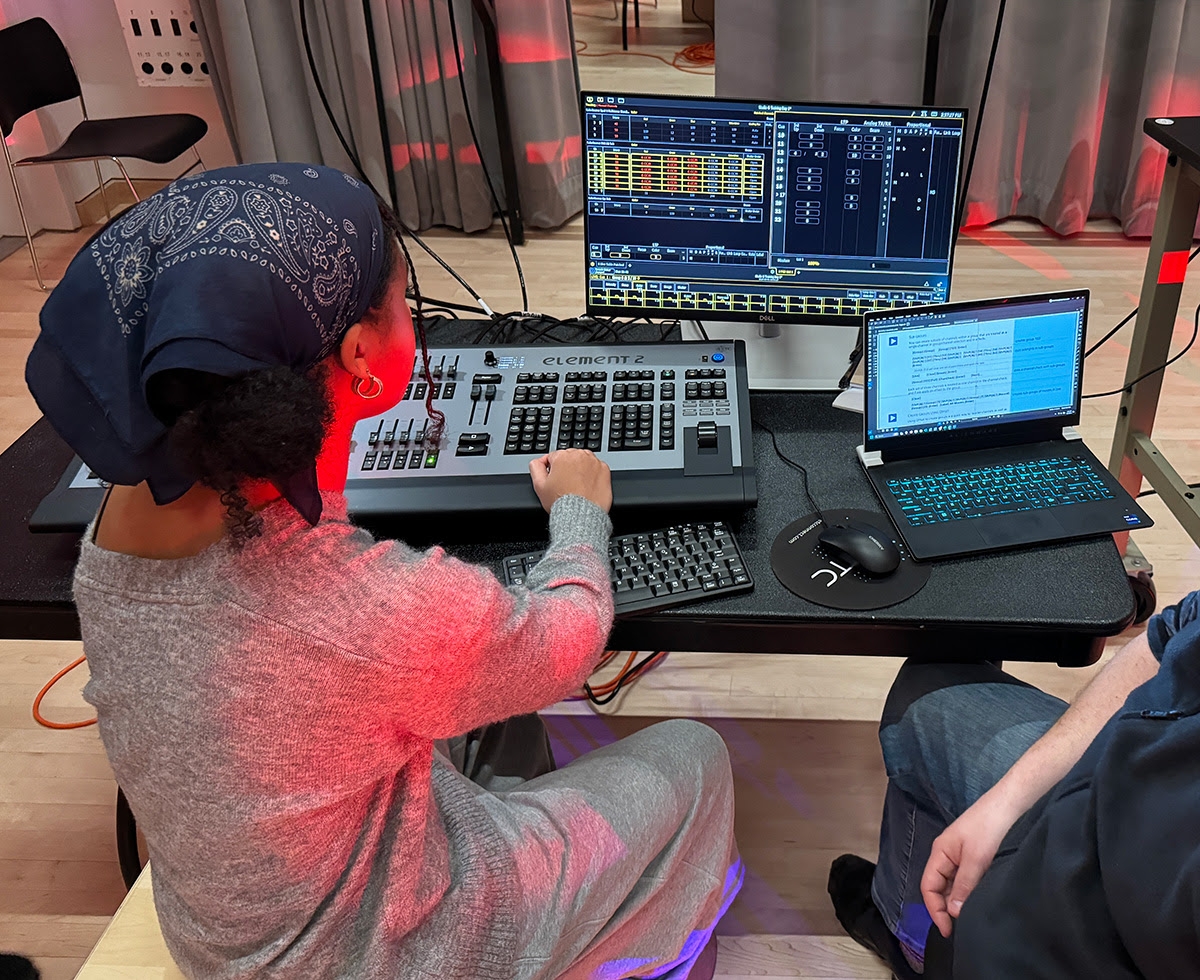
[800, 729]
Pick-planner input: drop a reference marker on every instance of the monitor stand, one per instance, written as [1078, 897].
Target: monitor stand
[792, 356]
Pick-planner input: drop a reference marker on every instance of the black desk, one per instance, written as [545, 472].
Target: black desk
[1055, 603]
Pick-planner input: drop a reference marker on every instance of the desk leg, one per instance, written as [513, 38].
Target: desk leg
[1152, 332]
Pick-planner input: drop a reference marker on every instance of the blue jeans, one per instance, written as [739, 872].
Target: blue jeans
[949, 732]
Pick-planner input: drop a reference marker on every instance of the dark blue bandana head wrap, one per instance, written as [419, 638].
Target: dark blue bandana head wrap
[227, 271]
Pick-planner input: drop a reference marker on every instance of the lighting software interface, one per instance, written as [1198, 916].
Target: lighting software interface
[936, 371]
[731, 209]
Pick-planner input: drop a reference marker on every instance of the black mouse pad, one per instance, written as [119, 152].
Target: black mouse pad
[806, 568]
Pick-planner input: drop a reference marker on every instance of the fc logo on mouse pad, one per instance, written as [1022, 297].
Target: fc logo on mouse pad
[829, 578]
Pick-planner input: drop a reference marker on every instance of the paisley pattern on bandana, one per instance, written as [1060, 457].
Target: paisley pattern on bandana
[247, 221]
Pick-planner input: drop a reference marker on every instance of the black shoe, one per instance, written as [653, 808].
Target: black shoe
[17, 968]
[850, 888]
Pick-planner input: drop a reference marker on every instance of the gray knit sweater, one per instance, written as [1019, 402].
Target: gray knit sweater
[270, 714]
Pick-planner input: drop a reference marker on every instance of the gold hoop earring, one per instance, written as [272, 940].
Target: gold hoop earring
[378, 390]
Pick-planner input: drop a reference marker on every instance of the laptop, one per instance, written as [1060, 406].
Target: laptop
[969, 432]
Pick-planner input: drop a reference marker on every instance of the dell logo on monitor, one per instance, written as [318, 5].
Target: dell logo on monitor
[766, 318]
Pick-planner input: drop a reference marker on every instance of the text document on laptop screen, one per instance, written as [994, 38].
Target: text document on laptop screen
[974, 366]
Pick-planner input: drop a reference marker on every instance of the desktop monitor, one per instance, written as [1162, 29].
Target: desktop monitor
[723, 209]
[744, 216]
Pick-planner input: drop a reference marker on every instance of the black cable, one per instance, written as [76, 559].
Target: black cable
[790, 462]
[1162, 367]
[700, 327]
[312, 67]
[1147, 493]
[462, 84]
[436, 416]
[987, 84]
[595, 329]
[629, 678]
[707, 23]
[445, 265]
[316, 77]
[1112, 333]
[446, 304]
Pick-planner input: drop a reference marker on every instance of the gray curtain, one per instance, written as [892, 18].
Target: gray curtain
[1061, 138]
[273, 110]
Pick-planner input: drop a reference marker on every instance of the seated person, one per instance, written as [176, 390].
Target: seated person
[1025, 838]
[282, 696]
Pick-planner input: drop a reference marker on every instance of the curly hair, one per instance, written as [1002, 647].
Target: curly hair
[263, 425]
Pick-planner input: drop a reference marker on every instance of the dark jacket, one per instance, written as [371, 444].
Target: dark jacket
[1101, 879]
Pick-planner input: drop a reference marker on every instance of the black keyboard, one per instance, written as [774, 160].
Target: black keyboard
[965, 494]
[664, 568]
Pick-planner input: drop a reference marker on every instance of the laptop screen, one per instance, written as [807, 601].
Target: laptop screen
[940, 368]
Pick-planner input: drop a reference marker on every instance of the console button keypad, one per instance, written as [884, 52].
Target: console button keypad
[632, 427]
[535, 394]
[512, 405]
[666, 426]
[581, 428]
[529, 430]
[633, 392]
[593, 392]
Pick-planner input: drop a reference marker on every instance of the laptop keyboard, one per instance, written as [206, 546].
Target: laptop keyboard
[963, 494]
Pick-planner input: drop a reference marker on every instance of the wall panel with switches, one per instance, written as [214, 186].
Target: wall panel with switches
[164, 46]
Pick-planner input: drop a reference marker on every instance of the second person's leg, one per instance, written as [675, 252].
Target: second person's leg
[948, 733]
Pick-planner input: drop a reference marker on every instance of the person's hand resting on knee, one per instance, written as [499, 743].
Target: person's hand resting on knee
[963, 853]
[965, 850]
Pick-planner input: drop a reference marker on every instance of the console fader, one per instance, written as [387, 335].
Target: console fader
[671, 420]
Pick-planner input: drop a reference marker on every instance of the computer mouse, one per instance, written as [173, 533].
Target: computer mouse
[866, 545]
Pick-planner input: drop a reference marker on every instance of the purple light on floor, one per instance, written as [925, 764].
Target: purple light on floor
[761, 909]
[693, 946]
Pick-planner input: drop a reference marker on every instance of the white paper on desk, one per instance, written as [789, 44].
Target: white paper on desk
[851, 399]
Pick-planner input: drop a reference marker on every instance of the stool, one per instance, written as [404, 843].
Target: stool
[132, 945]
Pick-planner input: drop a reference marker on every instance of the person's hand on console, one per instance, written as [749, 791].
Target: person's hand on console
[567, 471]
[961, 855]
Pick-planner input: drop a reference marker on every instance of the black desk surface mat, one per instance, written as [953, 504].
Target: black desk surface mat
[1077, 588]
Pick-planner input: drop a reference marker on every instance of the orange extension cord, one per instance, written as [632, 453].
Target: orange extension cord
[37, 702]
[693, 54]
[622, 678]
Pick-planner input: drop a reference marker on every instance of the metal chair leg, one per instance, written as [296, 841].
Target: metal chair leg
[637, 22]
[125, 174]
[127, 843]
[12, 173]
[103, 192]
[192, 167]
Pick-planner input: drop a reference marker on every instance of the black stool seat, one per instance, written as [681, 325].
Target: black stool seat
[159, 139]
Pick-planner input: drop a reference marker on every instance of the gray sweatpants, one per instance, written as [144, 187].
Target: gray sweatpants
[626, 856]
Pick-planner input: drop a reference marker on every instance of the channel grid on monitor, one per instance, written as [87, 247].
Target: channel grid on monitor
[728, 209]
